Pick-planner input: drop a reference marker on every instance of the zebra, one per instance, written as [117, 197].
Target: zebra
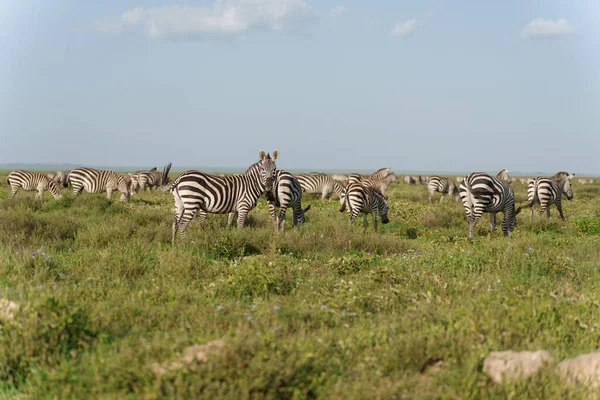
[379, 174]
[286, 192]
[235, 194]
[459, 179]
[341, 178]
[98, 181]
[481, 193]
[29, 180]
[358, 198]
[582, 181]
[323, 184]
[547, 191]
[443, 186]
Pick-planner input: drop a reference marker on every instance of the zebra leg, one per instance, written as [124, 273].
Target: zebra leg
[560, 211]
[272, 211]
[202, 217]
[374, 213]
[548, 212]
[530, 211]
[14, 190]
[493, 221]
[431, 197]
[281, 218]
[109, 193]
[442, 198]
[230, 218]
[241, 219]
[472, 220]
[365, 222]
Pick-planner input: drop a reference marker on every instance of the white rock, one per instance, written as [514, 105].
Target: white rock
[584, 369]
[502, 366]
[8, 309]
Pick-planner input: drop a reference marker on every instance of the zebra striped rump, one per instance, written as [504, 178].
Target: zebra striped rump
[546, 191]
[480, 193]
[286, 193]
[358, 198]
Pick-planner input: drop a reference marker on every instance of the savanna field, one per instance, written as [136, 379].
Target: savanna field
[107, 307]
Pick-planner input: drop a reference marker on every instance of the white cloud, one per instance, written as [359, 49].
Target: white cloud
[405, 29]
[546, 28]
[337, 11]
[223, 18]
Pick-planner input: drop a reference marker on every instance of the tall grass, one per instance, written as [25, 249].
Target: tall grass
[322, 311]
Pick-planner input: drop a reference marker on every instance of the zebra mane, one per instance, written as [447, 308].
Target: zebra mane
[561, 176]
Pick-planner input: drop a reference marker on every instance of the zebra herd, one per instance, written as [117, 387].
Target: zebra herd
[196, 192]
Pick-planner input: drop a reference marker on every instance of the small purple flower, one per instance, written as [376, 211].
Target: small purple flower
[33, 253]
[530, 250]
[41, 287]
[39, 251]
[249, 318]
[219, 307]
[47, 257]
[276, 308]
[323, 307]
[276, 329]
[55, 286]
[246, 313]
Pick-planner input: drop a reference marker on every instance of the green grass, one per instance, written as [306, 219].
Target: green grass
[322, 311]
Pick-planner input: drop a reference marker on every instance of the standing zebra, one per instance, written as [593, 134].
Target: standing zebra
[548, 191]
[98, 181]
[323, 184]
[28, 180]
[481, 193]
[195, 190]
[443, 186]
[286, 192]
[358, 198]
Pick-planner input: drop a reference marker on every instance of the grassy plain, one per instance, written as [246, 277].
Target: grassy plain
[322, 311]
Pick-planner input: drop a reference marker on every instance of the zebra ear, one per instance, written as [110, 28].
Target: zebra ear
[306, 209]
[275, 155]
[262, 155]
[518, 210]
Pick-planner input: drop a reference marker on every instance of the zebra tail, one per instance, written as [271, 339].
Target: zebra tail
[345, 203]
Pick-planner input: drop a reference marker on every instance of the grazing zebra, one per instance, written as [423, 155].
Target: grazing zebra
[592, 181]
[28, 180]
[358, 198]
[582, 181]
[98, 181]
[459, 179]
[379, 184]
[235, 194]
[323, 184]
[285, 193]
[379, 174]
[443, 186]
[547, 191]
[423, 179]
[482, 193]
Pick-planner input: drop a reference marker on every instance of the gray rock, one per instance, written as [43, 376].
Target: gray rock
[503, 366]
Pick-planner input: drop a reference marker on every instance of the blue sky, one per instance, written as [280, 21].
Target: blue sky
[354, 85]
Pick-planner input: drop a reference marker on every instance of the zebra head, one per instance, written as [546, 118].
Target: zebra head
[567, 188]
[54, 188]
[301, 218]
[268, 169]
[384, 210]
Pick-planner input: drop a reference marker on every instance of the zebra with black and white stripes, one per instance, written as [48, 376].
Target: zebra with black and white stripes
[29, 180]
[546, 191]
[323, 184]
[480, 193]
[442, 185]
[98, 181]
[358, 198]
[285, 193]
[235, 194]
